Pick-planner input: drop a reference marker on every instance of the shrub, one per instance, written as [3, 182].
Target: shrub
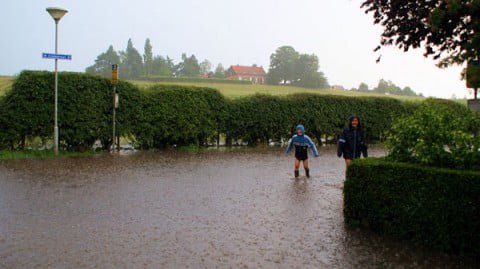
[258, 118]
[438, 133]
[178, 115]
[432, 206]
[84, 114]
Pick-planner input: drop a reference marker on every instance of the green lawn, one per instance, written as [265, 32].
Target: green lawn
[41, 154]
[238, 90]
[5, 84]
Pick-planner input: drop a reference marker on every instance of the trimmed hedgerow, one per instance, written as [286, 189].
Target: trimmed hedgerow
[176, 115]
[84, 115]
[259, 118]
[165, 115]
[436, 207]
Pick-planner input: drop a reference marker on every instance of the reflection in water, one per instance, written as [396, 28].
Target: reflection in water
[300, 187]
[229, 208]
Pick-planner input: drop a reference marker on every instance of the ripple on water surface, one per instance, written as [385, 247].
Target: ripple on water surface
[228, 208]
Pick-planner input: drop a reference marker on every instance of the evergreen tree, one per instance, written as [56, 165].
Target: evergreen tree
[148, 57]
[103, 63]
[219, 71]
[132, 63]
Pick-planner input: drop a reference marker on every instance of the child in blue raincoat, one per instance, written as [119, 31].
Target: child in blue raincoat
[302, 143]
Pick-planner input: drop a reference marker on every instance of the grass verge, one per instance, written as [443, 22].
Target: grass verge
[41, 154]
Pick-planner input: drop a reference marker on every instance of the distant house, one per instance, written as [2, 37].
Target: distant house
[338, 87]
[255, 74]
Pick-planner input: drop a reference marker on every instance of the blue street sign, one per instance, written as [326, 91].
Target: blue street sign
[56, 56]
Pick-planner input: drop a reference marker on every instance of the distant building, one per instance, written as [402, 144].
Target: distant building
[207, 75]
[255, 74]
[338, 87]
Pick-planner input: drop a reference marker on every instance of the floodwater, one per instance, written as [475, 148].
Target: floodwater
[212, 209]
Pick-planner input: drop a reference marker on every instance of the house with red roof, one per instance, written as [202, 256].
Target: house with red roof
[255, 74]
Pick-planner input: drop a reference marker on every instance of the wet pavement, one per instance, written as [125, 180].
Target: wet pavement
[214, 209]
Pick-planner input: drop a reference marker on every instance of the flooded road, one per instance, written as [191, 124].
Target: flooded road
[215, 209]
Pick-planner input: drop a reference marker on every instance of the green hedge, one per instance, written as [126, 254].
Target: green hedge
[85, 105]
[194, 80]
[259, 118]
[436, 207]
[166, 115]
[176, 115]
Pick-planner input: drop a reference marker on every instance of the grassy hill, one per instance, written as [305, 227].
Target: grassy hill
[5, 84]
[239, 90]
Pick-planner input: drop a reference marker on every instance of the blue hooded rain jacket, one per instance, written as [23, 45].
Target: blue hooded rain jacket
[301, 144]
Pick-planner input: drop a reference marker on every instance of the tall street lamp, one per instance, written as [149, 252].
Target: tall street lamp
[57, 14]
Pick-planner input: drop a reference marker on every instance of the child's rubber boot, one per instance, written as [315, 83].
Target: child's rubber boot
[297, 173]
[307, 172]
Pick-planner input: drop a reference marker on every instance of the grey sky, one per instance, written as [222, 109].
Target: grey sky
[230, 32]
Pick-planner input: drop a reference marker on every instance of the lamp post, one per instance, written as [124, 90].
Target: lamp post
[57, 14]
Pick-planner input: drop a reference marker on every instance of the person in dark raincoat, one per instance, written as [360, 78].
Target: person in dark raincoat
[352, 144]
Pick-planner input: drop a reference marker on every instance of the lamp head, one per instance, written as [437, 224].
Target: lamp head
[56, 13]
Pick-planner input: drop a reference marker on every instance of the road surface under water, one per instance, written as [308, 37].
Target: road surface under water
[212, 209]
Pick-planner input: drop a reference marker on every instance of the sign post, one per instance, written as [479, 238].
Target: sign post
[57, 14]
[115, 105]
[56, 57]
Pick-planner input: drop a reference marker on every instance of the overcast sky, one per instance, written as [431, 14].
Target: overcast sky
[230, 32]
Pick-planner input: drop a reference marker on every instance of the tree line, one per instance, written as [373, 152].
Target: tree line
[134, 65]
[386, 87]
[287, 67]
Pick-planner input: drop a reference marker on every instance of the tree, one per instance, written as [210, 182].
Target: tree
[162, 66]
[363, 87]
[148, 58]
[282, 65]
[408, 91]
[219, 71]
[307, 74]
[188, 67]
[287, 66]
[132, 63]
[449, 30]
[103, 63]
[389, 87]
[382, 86]
[205, 67]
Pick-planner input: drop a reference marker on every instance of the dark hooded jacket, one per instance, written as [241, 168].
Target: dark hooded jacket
[352, 142]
